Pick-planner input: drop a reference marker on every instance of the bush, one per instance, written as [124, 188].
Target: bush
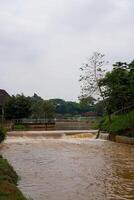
[2, 134]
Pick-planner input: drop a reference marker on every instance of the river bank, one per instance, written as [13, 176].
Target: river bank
[8, 182]
[122, 124]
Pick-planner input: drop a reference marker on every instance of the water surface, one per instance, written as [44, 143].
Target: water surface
[72, 169]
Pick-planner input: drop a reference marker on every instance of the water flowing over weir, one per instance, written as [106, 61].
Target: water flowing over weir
[72, 167]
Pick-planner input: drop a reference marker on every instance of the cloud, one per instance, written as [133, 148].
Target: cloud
[43, 43]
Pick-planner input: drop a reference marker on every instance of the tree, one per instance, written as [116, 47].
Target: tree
[99, 108]
[92, 71]
[37, 109]
[87, 104]
[65, 107]
[18, 107]
[72, 108]
[48, 109]
[119, 87]
[60, 105]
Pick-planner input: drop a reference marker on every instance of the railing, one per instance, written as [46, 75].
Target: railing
[33, 121]
[123, 110]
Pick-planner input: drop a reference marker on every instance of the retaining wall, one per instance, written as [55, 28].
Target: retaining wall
[117, 138]
[124, 139]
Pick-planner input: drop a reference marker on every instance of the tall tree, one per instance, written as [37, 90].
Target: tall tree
[18, 107]
[92, 71]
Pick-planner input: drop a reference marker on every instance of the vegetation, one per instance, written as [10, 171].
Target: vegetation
[20, 107]
[8, 182]
[42, 109]
[118, 87]
[2, 134]
[20, 127]
[116, 91]
[119, 97]
[120, 124]
[92, 71]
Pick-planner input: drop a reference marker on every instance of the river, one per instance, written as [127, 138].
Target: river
[72, 168]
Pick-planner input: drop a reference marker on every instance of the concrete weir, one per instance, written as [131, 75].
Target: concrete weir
[47, 134]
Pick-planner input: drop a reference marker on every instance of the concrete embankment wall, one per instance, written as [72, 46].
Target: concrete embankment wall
[117, 138]
[123, 139]
[104, 136]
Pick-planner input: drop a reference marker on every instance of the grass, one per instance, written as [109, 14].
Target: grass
[20, 127]
[8, 182]
[120, 124]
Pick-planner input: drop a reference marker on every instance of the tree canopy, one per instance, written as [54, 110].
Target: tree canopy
[18, 107]
[118, 86]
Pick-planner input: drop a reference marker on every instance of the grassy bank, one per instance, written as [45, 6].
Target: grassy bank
[120, 124]
[8, 182]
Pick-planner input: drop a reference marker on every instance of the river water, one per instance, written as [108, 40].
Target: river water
[72, 168]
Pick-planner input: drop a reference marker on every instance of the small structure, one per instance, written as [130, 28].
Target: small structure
[90, 114]
[4, 98]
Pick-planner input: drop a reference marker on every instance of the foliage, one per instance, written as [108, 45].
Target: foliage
[119, 87]
[87, 103]
[120, 124]
[72, 108]
[35, 97]
[48, 109]
[18, 107]
[62, 108]
[35, 107]
[99, 108]
[20, 127]
[41, 108]
[2, 134]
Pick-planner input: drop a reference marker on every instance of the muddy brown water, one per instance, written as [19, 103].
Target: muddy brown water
[72, 168]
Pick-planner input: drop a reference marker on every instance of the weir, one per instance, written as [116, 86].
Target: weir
[52, 134]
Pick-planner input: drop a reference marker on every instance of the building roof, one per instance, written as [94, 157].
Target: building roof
[4, 96]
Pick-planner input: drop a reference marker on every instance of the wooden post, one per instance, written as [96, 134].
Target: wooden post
[2, 115]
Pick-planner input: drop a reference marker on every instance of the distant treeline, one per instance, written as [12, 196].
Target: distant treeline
[20, 106]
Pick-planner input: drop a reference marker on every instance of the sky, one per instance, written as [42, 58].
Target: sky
[44, 43]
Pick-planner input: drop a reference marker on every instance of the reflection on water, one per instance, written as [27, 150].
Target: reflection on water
[72, 169]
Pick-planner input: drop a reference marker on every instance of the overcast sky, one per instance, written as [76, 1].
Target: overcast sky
[44, 42]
